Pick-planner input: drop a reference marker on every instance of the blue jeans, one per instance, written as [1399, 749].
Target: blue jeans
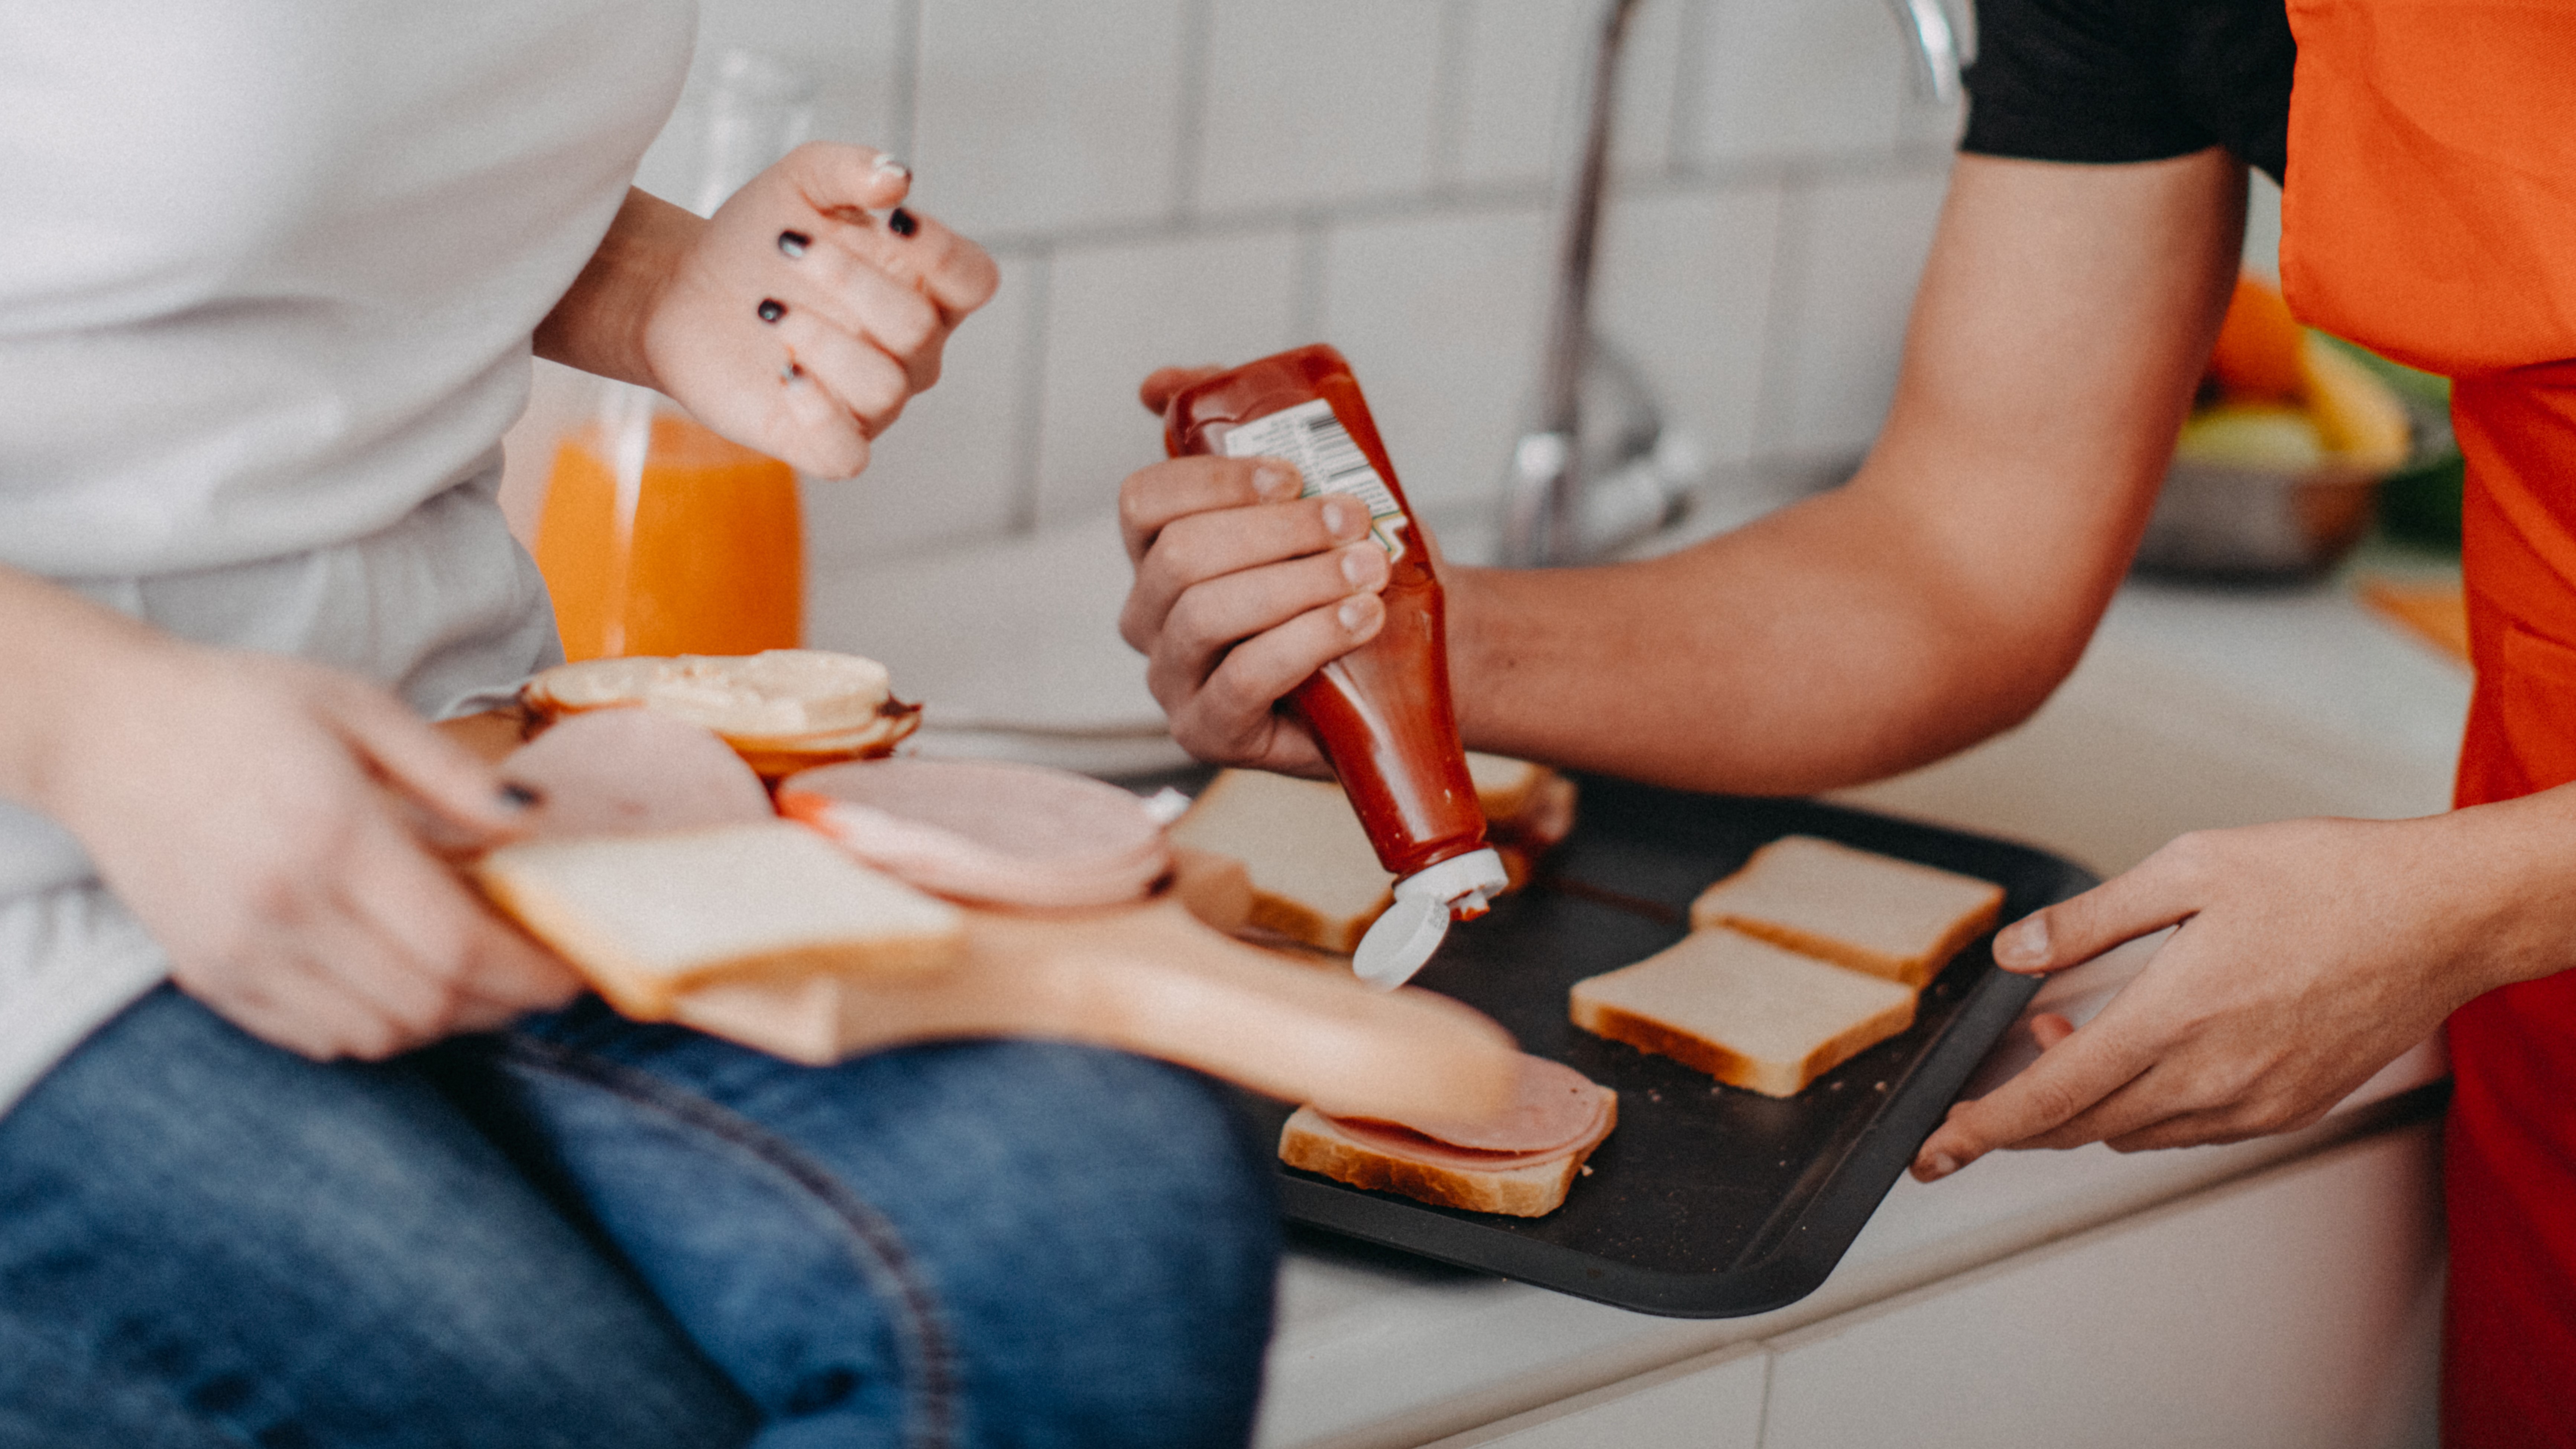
[590, 1232]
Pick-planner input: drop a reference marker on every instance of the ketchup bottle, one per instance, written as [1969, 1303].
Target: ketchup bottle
[1381, 712]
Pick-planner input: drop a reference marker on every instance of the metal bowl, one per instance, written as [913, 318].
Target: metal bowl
[2213, 521]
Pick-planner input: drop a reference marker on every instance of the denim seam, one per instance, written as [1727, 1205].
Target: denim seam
[878, 1246]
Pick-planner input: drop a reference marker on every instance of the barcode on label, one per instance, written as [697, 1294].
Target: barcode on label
[1313, 437]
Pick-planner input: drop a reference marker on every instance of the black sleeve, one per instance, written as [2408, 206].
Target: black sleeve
[2075, 80]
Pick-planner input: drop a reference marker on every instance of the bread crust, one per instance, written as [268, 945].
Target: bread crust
[1310, 1142]
[1770, 1078]
[1301, 923]
[1916, 970]
[1717, 906]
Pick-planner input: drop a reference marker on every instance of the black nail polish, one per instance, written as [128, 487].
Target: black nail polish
[518, 796]
[794, 243]
[771, 309]
[902, 222]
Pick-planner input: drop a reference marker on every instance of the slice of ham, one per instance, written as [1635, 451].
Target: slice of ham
[1555, 1111]
[980, 830]
[625, 771]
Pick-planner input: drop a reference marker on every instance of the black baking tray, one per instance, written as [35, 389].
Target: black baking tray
[1708, 1201]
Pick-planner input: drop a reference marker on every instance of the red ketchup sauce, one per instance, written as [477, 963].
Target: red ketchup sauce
[1381, 712]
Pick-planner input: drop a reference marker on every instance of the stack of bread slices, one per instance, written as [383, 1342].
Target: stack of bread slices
[1810, 954]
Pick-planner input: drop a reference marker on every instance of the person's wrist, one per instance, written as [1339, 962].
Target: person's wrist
[1467, 610]
[100, 679]
[2511, 862]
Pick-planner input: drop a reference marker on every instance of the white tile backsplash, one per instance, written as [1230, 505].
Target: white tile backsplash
[1317, 102]
[1212, 179]
[851, 51]
[953, 468]
[1522, 67]
[1440, 316]
[1791, 79]
[1035, 116]
[1116, 312]
[1685, 294]
[1855, 249]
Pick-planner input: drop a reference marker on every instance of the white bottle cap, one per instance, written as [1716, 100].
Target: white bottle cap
[1403, 938]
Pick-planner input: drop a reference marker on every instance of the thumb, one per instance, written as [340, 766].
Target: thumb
[427, 768]
[1160, 385]
[2159, 892]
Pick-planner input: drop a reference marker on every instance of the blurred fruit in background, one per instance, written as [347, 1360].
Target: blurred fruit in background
[2287, 447]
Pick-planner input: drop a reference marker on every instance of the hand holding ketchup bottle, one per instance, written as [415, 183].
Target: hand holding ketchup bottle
[1382, 712]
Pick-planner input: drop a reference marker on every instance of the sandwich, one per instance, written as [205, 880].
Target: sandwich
[1520, 1162]
[783, 710]
[1874, 913]
[1746, 1012]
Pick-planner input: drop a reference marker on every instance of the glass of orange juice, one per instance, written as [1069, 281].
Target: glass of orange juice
[659, 537]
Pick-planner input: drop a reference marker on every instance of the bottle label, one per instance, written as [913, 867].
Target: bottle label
[1311, 436]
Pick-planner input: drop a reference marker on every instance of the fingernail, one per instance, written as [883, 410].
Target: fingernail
[1354, 615]
[1360, 564]
[1341, 520]
[2024, 943]
[794, 243]
[1275, 481]
[892, 167]
[1933, 1167]
[902, 222]
[771, 309]
[516, 796]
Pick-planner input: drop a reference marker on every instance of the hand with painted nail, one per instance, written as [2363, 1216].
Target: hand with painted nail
[265, 818]
[798, 320]
[1242, 590]
[2308, 955]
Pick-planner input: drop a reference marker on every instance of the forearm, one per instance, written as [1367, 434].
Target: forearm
[61, 653]
[1811, 650]
[599, 325]
[2063, 318]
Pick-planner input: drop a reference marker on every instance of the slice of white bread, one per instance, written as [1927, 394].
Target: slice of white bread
[1870, 912]
[646, 917]
[1315, 878]
[1313, 1142]
[1747, 1013]
[1504, 785]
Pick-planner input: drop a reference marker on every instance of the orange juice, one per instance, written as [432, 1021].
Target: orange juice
[702, 553]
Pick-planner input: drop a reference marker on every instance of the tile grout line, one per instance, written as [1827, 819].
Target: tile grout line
[907, 77]
[1028, 441]
[1449, 98]
[1773, 406]
[1696, 178]
[1690, 86]
[1189, 150]
[1306, 313]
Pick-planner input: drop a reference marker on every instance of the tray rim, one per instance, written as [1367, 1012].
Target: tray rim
[1814, 1243]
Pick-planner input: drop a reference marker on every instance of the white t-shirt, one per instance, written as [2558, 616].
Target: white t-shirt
[268, 271]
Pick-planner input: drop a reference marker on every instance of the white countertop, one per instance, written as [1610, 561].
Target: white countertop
[2194, 708]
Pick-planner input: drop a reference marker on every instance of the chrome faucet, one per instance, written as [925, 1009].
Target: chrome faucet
[1553, 512]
